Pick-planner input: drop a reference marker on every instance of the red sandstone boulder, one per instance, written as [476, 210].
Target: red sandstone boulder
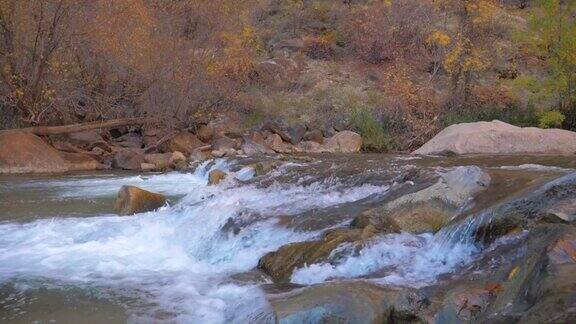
[343, 142]
[182, 142]
[25, 153]
[133, 200]
[497, 137]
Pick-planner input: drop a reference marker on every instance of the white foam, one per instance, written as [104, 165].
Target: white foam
[178, 258]
[172, 183]
[408, 260]
[535, 167]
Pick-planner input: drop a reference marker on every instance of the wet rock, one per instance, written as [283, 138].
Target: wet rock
[430, 209]
[565, 210]
[182, 142]
[381, 223]
[314, 136]
[263, 167]
[497, 137]
[25, 153]
[133, 200]
[81, 162]
[216, 176]
[346, 302]
[533, 281]
[280, 264]
[128, 159]
[547, 204]
[344, 142]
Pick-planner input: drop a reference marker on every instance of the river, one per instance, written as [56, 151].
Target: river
[65, 257]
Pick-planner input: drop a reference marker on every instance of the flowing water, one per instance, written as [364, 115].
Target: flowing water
[64, 257]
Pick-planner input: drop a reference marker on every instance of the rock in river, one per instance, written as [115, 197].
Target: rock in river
[133, 200]
[215, 176]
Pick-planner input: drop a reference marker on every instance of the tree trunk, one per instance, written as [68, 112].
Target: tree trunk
[74, 128]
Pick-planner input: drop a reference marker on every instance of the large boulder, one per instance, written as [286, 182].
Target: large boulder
[348, 302]
[133, 200]
[343, 142]
[25, 153]
[429, 209]
[497, 137]
[533, 282]
[182, 142]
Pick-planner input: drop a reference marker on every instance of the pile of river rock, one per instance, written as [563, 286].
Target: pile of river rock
[152, 149]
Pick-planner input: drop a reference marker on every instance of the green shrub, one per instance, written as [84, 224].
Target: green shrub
[519, 117]
[550, 119]
[375, 138]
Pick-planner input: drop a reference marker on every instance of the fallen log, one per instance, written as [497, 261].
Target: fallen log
[74, 128]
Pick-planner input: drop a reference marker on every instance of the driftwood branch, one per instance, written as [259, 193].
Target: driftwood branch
[74, 128]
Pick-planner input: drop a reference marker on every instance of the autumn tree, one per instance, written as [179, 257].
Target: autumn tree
[471, 44]
[31, 34]
[552, 37]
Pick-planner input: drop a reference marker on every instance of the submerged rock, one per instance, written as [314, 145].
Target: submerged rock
[263, 167]
[348, 302]
[215, 177]
[133, 200]
[497, 137]
[280, 264]
[533, 281]
[25, 153]
[552, 202]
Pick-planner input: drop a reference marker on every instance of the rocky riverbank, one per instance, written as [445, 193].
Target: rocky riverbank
[145, 149]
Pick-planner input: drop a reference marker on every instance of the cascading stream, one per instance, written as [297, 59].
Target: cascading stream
[176, 258]
[181, 264]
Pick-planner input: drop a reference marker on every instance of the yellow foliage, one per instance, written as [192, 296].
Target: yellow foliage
[439, 38]
[453, 57]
